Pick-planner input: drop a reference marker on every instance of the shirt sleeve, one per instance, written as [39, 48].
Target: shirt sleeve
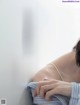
[75, 94]
[55, 99]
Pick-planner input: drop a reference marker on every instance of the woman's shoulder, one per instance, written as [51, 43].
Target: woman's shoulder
[64, 60]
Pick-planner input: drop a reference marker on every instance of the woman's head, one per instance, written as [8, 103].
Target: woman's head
[77, 48]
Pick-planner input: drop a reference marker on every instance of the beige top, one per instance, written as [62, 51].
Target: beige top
[63, 68]
[58, 71]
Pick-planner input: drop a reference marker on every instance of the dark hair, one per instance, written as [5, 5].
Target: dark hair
[77, 49]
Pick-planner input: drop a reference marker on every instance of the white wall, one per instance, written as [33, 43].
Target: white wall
[55, 30]
[10, 48]
[58, 29]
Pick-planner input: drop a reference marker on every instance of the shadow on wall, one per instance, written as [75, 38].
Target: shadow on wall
[23, 75]
[26, 98]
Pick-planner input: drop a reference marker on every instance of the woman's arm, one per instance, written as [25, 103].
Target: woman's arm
[39, 100]
[49, 88]
[75, 94]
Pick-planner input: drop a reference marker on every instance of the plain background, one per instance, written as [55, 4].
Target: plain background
[32, 34]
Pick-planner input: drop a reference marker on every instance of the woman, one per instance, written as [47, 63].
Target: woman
[60, 74]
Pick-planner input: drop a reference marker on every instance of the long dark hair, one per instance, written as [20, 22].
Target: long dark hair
[77, 49]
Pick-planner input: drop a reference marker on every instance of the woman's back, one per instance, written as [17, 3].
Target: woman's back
[68, 68]
[63, 68]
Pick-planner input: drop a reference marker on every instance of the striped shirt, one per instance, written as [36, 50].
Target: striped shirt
[57, 99]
